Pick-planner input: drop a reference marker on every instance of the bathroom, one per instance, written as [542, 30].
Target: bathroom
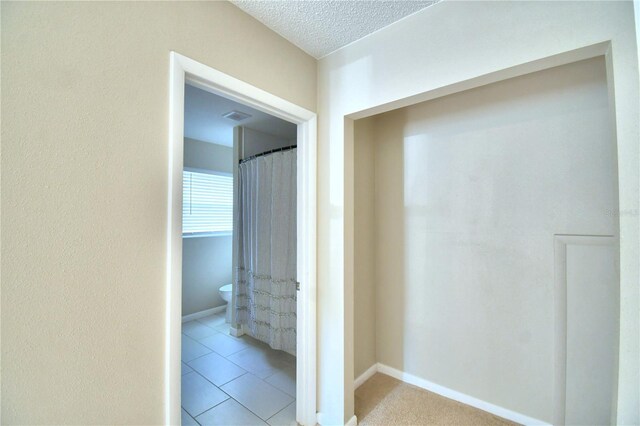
[238, 264]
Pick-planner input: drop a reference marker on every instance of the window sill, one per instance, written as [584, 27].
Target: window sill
[207, 234]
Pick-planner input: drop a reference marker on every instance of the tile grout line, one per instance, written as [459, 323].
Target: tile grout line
[220, 355]
[217, 387]
[263, 380]
[224, 356]
[197, 339]
[198, 357]
[285, 407]
[272, 373]
[244, 406]
[199, 322]
[189, 414]
[265, 421]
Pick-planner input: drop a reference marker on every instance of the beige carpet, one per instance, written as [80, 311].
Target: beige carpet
[383, 400]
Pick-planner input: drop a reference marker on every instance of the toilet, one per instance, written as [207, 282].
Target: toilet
[225, 293]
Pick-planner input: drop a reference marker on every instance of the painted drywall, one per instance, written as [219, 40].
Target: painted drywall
[636, 13]
[364, 305]
[85, 88]
[443, 45]
[257, 142]
[470, 190]
[208, 156]
[206, 261]
[206, 266]
[591, 317]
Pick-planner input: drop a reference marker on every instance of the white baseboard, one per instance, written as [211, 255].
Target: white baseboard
[205, 313]
[353, 421]
[365, 376]
[449, 393]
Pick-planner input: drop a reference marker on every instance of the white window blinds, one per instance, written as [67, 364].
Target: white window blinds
[207, 203]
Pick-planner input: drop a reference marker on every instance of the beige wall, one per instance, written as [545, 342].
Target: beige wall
[84, 102]
[422, 57]
[84, 193]
[470, 190]
[364, 247]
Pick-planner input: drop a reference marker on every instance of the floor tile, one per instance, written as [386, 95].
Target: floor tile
[229, 413]
[192, 349]
[198, 395]
[212, 320]
[261, 398]
[186, 419]
[224, 345]
[223, 328]
[186, 369]
[288, 358]
[286, 417]
[251, 341]
[260, 361]
[196, 330]
[284, 379]
[216, 369]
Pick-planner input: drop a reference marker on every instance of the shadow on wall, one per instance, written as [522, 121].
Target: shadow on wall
[392, 277]
[378, 317]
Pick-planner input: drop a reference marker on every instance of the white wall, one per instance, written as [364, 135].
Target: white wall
[449, 43]
[470, 190]
[206, 261]
[85, 88]
[592, 302]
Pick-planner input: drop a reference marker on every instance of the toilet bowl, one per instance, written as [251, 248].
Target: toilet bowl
[225, 293]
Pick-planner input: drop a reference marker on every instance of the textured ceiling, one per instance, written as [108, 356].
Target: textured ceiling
[320, 27]
[203, 118]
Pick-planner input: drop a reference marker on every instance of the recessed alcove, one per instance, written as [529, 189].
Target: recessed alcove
[459, 205]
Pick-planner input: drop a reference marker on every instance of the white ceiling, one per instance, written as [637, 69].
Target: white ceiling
[203, 118]
[320, 27]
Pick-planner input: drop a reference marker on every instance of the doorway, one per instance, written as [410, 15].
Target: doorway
[200, 77]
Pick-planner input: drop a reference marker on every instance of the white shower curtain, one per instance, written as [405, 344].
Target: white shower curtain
[266, 249]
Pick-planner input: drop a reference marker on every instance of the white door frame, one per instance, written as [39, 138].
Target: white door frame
[183, 70]
[603, 49]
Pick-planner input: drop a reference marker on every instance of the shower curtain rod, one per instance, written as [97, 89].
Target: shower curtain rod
[284, 148]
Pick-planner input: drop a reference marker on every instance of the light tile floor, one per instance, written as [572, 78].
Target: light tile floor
[234, 381]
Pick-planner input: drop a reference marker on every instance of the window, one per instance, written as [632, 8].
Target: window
[207, 204]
